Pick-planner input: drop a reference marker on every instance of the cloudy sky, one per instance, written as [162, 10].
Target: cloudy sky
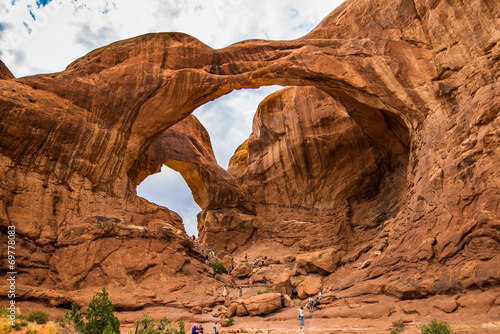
[44, 36]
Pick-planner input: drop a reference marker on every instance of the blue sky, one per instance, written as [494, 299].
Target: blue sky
[44, 36]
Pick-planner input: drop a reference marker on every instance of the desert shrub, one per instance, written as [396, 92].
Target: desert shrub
[230, 322]
[147, 325]
[398, 327]
[100, 314]
[109, 330]
[267, 290]
[218, 267]
[3, 310]
[75, 317]
[435, 327]
[398, 324]
[38, 316]
[182, 329]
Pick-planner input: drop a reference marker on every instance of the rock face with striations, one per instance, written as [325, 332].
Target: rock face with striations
[388, 151]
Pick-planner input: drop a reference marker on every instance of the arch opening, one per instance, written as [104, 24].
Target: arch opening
[228, 120]
[237, 193]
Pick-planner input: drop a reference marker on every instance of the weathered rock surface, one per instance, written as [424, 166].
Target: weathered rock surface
[323, 262]
[259, 305]
[242, 270]
[388, 152]
[309, 287]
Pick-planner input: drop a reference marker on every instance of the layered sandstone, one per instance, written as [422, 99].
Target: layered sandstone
[386, 152]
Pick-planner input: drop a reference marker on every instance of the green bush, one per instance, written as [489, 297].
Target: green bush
[394, 332]
[230, 322]
[267, 290]
[147, 325]
[435, 327]
[182, 329]
[398, 324]
[38, 316]
[100, 314]
[76, 317]
[218, 267]
[109, 330]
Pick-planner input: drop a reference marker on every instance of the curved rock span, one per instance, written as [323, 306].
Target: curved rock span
[382, 152]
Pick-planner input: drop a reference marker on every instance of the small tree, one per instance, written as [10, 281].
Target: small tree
[100, 314]
[435, 327]
[76, 317]
[218, 267]
[109, 330]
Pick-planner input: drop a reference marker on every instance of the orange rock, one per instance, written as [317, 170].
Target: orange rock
[262, 304]
[242, 270]
[282, 284]
[323, 262]
[389, 145]
[309, 287]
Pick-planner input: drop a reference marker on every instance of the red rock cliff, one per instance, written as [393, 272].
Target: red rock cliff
[418, 79]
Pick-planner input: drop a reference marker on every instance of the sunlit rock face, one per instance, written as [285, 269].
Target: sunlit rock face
[384, 147]
[311, 174]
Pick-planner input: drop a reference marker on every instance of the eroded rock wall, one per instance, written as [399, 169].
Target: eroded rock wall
[419, 78]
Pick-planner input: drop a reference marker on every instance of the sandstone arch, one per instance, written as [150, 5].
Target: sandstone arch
[420, 79]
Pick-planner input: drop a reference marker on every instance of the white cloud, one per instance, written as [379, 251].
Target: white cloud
[228, 119]
[40, 39]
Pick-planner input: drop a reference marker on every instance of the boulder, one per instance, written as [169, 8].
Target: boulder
[227, 262]
[231, 310]
[263, 304]
[324, 262]
[309, 287]
[242, 270]
[282, 284]
[241, 310]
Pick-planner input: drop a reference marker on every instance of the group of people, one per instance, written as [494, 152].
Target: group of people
[199, 330]
[256, 262]
[312, 304]
[196, 329]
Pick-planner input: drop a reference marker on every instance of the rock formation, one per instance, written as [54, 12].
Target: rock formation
[384, 147]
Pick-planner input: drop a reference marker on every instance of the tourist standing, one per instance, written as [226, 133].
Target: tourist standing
[194, 329]
[301, 316]
[282, 298]
[241, 291]
[216, 328]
